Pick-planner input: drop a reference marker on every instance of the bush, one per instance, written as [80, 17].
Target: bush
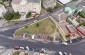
[13, 15]
[49, 9]
[82, 14]
[9, 16]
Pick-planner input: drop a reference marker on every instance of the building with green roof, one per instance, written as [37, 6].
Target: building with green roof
[73, 7]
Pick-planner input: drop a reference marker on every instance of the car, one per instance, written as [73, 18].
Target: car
[31, 49]
[65, 53]
[17, 47]
[27, 48]
[40, 50]
[64, 43]
[60, 53]
[35, 21]
[43, 50]
[22, 48]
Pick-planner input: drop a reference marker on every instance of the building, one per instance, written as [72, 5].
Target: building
[62, 27]
[73, 32]
[71, 29]
[49, 3]
[81, 30]
[2, 10]
[64, 1]
[73, 21]
[25, 6]
[73, 7]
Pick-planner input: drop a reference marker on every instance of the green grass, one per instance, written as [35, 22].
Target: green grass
[16, 53]
[43, 27]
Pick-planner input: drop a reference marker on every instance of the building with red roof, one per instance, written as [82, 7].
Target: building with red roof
[81, 30]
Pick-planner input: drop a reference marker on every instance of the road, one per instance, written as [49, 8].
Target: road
[78, 49]
[31, 21]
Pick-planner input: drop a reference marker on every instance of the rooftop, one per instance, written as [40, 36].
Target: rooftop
[49, 2]
[63, 27]
[82, 29]
[19, 1]
[71, 28]
[64, 1]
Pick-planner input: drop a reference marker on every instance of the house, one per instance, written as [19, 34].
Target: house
[2, 10]
[73, 7]
[62, 27]
[49, 3]
[25, 6]
[81, 30]
[72, 30]
[64, 1]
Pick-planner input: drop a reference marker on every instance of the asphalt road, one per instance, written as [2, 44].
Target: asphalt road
[31, 20]
[78, 49]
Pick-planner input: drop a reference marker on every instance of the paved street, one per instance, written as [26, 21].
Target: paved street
[30, 21]
[77, 49]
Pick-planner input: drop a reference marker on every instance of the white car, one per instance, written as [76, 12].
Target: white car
[27, 47]
[60, 53]
[64, 43]
[35, 21]
[21, 47]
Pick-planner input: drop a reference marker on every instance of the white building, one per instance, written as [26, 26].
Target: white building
[49, 3]
[64, 1]
[2, 10]
[25, 6]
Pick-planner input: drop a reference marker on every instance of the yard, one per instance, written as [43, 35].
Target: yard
[45, 27]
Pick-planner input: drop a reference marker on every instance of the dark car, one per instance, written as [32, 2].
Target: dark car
[31, 49]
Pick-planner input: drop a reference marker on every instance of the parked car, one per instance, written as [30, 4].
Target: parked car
[35, 21]
[29, 49]
[64, 43]
[22, 48]
[60, 53]
[43, 50]
[65, 53]
[17, 47]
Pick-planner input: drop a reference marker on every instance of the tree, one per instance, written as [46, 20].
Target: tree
[83, 23]
[8, 16]
[49, 9]
[13, 15]
[16, 15]
[82, 14]
[28, 15]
